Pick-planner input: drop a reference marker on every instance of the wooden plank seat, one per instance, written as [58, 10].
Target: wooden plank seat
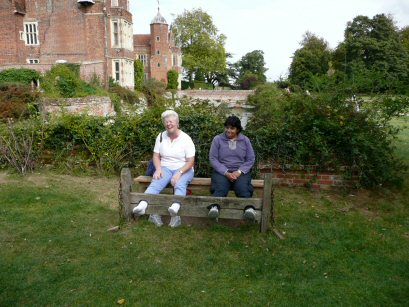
[197, 183]
[196, 205]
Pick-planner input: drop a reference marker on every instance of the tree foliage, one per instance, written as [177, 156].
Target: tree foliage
[202, 47]
[372, 57]
[310, 62]
[251, 66]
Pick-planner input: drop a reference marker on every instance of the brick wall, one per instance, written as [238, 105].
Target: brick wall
[10, 25]
[302, 177]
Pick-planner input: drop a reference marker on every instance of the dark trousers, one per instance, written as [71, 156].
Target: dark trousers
[221, 186]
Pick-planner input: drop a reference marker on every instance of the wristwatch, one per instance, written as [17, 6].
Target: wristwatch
[181, 172]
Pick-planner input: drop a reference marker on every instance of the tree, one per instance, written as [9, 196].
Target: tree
[404, 37]
[310, 62]
[250, 70]
[173, 79]
[202, 47]
[372, 57]
[138, 74]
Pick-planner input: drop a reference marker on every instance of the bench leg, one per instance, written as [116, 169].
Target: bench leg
[125, 189]
[267, 203]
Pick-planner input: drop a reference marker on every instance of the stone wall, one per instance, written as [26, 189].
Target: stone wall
[217, 96]
[91, 105]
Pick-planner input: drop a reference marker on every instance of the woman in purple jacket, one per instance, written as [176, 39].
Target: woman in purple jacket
[232, 157]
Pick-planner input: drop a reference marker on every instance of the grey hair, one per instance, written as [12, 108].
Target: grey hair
[169, 113]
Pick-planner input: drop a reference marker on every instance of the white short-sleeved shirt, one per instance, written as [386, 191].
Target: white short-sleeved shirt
[173, 155]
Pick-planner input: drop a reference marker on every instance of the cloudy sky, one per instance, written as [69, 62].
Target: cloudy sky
[273, 26]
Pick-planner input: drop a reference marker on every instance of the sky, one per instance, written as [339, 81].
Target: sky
[273, 26]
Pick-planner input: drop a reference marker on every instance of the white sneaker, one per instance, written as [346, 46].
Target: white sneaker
[175, 221]
[174, 209]
[249, 214]
[140, 208]
[156, 219]
[213, 212]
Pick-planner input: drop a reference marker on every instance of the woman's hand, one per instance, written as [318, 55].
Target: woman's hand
[233, 176]
[175, 178]
[157, 174]
[236, 174]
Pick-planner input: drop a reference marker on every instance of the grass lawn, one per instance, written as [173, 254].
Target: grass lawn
[340, 248]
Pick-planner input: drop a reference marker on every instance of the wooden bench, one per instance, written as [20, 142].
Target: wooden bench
[196, 205]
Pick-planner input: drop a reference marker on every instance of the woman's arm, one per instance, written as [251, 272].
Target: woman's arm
[214, 157]
[158, 168]
[188, 165]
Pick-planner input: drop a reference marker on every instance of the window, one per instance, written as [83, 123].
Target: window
[31, 31]
[158, 38]
[158, 64]
[33, 61]
[114, 3]
[116, 32]
[158, 52]
[116, 71]
[145, 76]
[143, 59]
[175, 60]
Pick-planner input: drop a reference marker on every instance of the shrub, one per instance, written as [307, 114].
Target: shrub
[326, 131]
[139, 74]
[125, 94]
[173, 79]
[21, 75]
[108, 144]
[154, 90]
[63, 81]
[18, 144]
[17, 101]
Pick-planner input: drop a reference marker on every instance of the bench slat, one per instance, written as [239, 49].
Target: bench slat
[198, 181]
[200, 212]
[197, 201]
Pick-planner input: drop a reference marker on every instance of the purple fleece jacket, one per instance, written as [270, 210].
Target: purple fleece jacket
[223, 159]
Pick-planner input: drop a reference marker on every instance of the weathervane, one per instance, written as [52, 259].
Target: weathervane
[158, 5]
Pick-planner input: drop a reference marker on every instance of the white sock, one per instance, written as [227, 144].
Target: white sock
[140, 208]
[174, 209]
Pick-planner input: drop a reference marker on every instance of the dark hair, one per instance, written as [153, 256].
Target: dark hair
[233, 121]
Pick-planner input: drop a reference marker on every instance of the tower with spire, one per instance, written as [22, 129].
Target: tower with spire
[157, 50]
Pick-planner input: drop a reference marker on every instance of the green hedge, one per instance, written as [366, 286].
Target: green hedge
[325, 131]
[21, 75]
[109, 144]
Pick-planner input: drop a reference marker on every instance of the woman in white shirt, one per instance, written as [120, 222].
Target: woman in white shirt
[173, 157]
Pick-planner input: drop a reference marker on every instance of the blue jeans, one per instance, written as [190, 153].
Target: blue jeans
[157, 185]
[221, 185]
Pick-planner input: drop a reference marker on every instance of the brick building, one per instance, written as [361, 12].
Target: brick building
[96, 34]
[157, 50]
